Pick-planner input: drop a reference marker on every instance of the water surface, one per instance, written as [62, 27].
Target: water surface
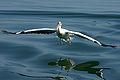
[26, 57]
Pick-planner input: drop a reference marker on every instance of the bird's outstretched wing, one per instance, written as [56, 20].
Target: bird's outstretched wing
[90, 38]
[35, 31]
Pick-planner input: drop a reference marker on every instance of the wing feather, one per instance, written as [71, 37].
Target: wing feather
[35, 31]
[90, 38]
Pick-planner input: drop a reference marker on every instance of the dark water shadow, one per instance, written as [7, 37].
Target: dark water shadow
[68, 65]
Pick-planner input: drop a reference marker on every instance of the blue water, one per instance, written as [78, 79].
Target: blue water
[26, 56]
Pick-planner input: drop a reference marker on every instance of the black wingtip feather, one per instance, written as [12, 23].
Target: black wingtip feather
[102, 44]
[6, 32]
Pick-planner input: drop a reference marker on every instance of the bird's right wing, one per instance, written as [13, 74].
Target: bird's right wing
[35, 31]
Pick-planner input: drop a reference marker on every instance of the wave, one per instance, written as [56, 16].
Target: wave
[58, 14]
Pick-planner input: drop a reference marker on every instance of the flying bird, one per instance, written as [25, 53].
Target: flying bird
[63, 34]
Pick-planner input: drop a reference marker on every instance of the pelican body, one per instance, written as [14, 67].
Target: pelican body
[63, 34]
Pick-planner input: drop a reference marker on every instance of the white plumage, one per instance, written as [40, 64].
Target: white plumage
[61, 33]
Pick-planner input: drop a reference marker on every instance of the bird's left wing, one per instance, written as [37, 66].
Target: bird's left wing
[36, 31]
[89, 38]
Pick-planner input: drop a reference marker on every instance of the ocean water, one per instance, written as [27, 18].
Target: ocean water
[41, 57]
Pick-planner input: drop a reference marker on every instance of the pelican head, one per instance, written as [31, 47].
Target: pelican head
[59, 25]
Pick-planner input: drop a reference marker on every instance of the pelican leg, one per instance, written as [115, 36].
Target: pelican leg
[61, 42]
[69, 42]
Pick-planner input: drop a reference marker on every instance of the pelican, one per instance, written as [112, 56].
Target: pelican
[63, 34]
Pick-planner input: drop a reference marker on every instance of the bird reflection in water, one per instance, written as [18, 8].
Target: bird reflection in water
[67, 65]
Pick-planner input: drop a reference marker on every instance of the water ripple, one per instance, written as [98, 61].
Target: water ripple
[58, 14]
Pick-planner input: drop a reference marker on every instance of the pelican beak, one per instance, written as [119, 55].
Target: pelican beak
[58, 26]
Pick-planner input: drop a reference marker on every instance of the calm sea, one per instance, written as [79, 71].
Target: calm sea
[41, 57]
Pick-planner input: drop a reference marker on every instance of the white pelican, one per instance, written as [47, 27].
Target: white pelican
[63, 34]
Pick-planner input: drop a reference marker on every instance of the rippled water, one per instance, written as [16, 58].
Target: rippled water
[26, 57]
